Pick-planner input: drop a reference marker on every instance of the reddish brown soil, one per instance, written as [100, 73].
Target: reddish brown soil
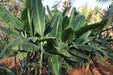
[96, 69]
[9, 63]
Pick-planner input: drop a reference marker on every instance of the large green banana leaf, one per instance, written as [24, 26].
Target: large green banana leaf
[108, 54]
[80, 54]
[28, 4]
[65, 12]
[9, 32]
[39, 17]
[84, 29]
[83, 38]
[29, 18]
[75, 59]
[65, 22]
[85, 47]
[72, 18]
[63, 49]
[76, 23]
[55, 28]
[67, 34]
[80, 22]
[101, 58]
[50, 30]
[20, 41]
[10, 20]
[26, 17]
[55, 63]
[49, 12]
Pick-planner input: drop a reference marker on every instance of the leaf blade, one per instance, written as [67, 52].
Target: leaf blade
[10, 20]
[39, 17]
[9, 32]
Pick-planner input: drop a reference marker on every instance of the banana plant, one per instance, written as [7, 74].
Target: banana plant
[76, 34]
[63, 39]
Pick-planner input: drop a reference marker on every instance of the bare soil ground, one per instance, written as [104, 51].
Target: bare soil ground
[96, 69]
[9, 63]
